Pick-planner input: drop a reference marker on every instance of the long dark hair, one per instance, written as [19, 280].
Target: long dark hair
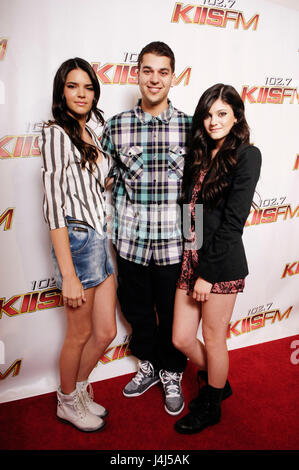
[64, 119]
[201, 145]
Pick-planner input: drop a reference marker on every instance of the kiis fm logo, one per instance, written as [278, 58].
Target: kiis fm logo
[270, 210]
[219, 17]
[30, 302]
[3, 47]
[14, 368]
[115, 353]
[124, 74]
[254, 322]
[276, 91]
[111, 354]
[14, 146]
[291, 269]
[6, 218]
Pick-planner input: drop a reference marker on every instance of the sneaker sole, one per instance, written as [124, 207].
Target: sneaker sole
[137, 394]
[174, 413]
[80, 429]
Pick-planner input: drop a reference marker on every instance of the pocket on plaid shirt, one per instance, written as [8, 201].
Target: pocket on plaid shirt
[131, 158]
[176, 161]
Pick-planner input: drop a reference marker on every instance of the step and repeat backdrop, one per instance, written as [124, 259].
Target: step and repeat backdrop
[250, 44]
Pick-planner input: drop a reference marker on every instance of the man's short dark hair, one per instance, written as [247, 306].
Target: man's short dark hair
[157, 48]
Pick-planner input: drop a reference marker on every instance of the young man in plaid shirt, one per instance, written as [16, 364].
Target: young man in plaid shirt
[148, 146]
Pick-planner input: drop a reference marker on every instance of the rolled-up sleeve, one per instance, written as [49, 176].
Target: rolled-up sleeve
[54, 150]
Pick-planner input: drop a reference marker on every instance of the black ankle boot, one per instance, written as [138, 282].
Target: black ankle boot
[207, 413]
[203, 375]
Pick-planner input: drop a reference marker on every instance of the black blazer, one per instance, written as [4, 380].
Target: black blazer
[222, 255]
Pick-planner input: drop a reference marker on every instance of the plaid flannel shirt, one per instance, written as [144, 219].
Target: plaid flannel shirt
[149, 154]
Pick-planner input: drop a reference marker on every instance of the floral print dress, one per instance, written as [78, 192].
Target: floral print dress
[187, 278]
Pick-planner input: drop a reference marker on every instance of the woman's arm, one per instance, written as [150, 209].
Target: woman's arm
[72, 289]
[54, 145]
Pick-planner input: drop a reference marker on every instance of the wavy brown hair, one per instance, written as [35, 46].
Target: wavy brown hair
[201, 145]
[60, 111]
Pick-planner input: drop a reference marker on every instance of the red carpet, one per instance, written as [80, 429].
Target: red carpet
[262, 413]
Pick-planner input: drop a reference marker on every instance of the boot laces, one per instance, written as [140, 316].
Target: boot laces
[87, 394]
[79, 404]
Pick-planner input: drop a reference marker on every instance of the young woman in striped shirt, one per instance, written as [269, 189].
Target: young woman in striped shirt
[74, 173]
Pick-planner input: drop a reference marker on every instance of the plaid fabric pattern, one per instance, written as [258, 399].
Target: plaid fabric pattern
[149, 154]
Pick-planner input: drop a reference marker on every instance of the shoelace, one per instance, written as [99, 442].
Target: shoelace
[169, 381]
[87, 394]
[79, 404]
[145, 370]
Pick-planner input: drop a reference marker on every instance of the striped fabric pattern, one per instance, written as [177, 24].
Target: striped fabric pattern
[70, 190]
[149, 154]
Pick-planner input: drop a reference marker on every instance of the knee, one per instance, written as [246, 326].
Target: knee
[181, 341]
[213, 339]
[105, 336]
[79, 337]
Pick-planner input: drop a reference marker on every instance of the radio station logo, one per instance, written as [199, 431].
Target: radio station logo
[275, 91]
[30, 302]
[111, 354]
[208, 15]
[6, 218]
[13, 369]
[126, 74]
[254, 322]
[265, 211]
[19, 146]
[290, 269]
[3, 47]
[115, 353]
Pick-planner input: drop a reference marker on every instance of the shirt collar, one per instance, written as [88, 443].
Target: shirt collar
[147, 117]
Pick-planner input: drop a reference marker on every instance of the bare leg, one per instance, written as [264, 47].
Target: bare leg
[77, 334]
[103, 327]
[187, 316]
[216, 314]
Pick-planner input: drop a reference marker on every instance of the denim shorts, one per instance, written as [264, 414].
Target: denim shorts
[90, 254]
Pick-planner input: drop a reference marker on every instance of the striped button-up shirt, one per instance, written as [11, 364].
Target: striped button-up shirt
[149, 154]
[70, 190]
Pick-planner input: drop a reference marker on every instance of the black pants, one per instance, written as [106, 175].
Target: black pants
[146, 295]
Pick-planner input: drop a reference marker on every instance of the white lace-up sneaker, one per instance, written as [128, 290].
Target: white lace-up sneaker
[71, 409]
[145, 378]
[87, 394]
[174, 400]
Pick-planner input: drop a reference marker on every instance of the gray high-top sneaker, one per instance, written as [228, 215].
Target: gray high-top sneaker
[145, 378]
[71, 409]
[174, 400]
[87, 394]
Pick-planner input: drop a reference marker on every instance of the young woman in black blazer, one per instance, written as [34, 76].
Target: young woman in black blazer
[221, 173]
